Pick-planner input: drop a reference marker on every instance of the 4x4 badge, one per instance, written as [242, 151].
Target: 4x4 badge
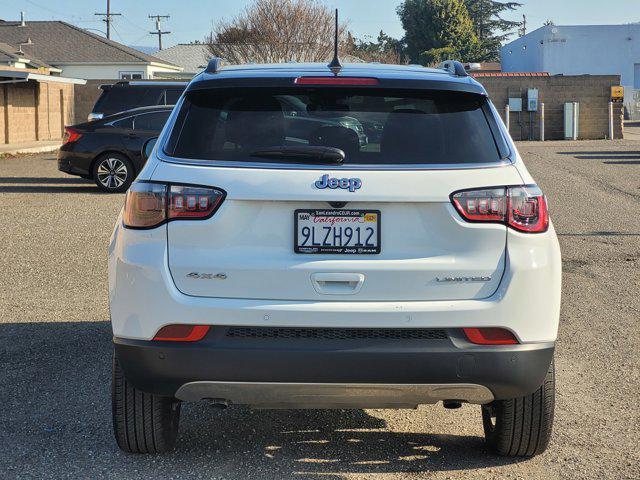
[351, 184]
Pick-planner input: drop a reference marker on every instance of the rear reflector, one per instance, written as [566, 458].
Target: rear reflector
[336, 81]
[182, 333]
[490, 336]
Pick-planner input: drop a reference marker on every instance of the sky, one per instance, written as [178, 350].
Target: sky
[192, 19]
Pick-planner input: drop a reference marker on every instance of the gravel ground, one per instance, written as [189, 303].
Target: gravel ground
[55, 351]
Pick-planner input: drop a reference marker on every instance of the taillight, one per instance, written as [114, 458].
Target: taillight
[181, 333]
[527, 210]
[193, 202]
[71, 135]
[336, 81]
[148, 205]
[145, 205]
[523, 208]
[490, 336]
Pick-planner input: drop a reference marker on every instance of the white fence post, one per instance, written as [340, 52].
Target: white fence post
[542, 122]
[574, 133]
[610, 120]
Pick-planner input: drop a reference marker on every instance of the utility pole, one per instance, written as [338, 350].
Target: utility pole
[159, 31]
[107, 18]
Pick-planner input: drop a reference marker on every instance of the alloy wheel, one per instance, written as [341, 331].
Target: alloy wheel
[112, 173]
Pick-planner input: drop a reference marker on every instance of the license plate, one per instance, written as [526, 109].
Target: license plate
[337, 231]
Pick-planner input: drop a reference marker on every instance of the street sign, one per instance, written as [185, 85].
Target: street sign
[617, 94]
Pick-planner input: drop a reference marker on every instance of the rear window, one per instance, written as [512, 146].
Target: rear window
[371, 126]
[121, 98]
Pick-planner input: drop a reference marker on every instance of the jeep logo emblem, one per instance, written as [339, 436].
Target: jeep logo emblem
[351, 184]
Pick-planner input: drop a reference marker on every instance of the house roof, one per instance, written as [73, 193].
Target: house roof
[23, 74]
[193, 57]
[60, 43]
[9, 53]
[477, 74]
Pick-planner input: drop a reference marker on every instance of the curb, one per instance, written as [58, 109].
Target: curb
[26, 150]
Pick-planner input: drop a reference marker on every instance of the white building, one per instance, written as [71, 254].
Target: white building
[78, 53]
[580, 50]
[192, 57]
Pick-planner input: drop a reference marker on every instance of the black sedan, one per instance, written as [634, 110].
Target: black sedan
[108, 150]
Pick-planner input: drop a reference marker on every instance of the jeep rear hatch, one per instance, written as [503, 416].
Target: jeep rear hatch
[405, 152]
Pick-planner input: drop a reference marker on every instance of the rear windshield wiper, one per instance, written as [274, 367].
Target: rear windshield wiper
[303, 153]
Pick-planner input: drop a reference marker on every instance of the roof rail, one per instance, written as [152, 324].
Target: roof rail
[214, 65]
[454, 68]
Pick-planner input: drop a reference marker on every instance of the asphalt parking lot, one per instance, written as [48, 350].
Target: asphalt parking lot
[55, 352]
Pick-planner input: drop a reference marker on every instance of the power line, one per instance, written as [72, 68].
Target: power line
[118, 34]
[144, 29]
[158, 30]
[107, 18]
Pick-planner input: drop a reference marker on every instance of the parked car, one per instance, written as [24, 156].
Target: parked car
[250, 266]
[303, 124]
[108, 150]
[126, 95]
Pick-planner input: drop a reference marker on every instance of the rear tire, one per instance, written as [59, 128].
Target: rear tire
[521, 427]
[142, 422]
[113, 172]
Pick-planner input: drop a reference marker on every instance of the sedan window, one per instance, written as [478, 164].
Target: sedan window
[151, 121]
[124, 123]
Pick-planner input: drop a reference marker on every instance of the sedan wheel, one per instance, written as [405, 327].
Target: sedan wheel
[113, 173]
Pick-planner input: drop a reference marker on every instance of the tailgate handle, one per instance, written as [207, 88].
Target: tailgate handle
[337, 283]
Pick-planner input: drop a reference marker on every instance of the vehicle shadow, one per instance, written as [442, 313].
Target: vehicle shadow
[51, 189]
[46, 180]
[55, 394]
[623, 153]
[599, 234]
[609, 157]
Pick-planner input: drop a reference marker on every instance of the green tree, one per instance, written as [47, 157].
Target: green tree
[489, 26]
[436, 30]
[385, 49]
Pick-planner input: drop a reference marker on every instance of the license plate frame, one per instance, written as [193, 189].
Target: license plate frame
[321, 248]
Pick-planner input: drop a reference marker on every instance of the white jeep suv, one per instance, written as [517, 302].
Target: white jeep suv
[258, 261]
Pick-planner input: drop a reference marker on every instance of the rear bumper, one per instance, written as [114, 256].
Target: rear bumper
[305, 372]
[144, 297]
[73, 163]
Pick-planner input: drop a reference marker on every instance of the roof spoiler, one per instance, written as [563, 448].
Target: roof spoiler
[454, 68]
[214, 65]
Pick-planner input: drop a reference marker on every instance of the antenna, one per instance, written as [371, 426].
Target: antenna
[335, 66]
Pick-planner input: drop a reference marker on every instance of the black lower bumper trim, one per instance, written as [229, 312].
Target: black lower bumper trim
[163, 367]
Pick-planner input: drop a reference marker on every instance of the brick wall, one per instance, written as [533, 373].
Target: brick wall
[56, 109]
[35, 111]
[593, 92]
[21, 112]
